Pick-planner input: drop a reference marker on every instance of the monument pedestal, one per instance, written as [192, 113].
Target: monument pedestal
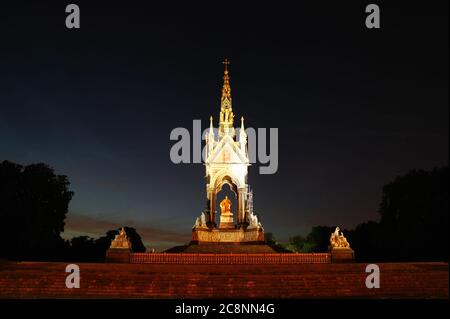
[118, 255]
[226, 221]
[120, 249]
[223, 235]
[342, 255]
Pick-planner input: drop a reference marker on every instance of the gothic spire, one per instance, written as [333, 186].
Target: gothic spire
[226, 112]
[226, 89]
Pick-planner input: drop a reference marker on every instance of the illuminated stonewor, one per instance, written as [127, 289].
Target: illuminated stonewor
[226, 162]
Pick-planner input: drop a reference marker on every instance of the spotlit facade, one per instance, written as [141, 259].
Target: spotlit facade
[227, 162]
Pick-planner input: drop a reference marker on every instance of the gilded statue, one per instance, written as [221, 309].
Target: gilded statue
[225, 206]
[121, 240]
[337, 240]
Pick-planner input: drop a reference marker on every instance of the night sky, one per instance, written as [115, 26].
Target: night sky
[354, 107]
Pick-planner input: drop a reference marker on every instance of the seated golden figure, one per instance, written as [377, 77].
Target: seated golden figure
[225, 206]
[226, 216]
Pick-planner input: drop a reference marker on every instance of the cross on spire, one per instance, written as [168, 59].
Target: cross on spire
[226, 62]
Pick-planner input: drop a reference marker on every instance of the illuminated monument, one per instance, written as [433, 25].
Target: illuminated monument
[226, 162]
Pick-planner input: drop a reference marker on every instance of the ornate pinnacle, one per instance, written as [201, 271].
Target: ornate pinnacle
[226, 89]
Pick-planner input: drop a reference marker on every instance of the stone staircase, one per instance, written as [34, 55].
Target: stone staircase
[47, 280]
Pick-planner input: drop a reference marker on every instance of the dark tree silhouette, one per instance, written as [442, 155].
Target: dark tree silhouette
[320, 237]
[271, 241]
[367, 242]
[297, 242]
[33, 205]
[414, 222]
[414, 216]
[84, 248]
[269, 238]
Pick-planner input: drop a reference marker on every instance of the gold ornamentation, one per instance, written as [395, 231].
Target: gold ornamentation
[227, 236]
[121, 241]
[338, 240]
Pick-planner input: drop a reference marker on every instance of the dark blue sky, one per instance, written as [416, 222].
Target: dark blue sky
[354, 107]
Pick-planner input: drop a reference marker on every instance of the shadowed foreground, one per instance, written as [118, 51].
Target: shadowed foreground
[398, 280]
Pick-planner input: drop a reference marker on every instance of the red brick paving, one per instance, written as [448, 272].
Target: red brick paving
[398, 280]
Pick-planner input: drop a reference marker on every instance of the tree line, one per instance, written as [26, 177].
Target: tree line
[413, 225]
[34, 203]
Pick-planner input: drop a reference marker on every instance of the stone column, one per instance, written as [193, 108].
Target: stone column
[213, 210]
[212, 206]
[238, 215]
[241, 206]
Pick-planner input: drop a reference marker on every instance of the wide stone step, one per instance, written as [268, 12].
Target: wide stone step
[47, 280]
